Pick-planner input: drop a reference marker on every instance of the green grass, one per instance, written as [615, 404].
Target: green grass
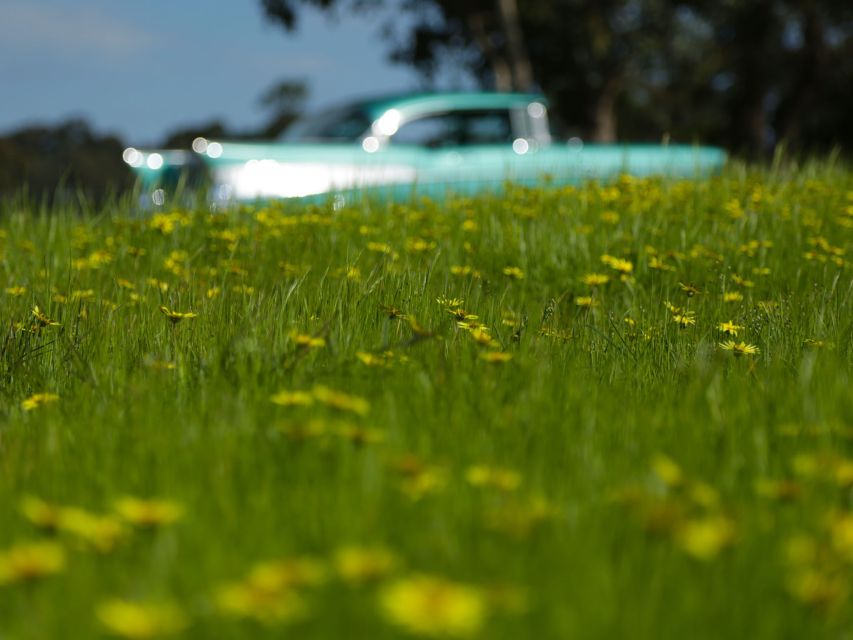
[668, 488]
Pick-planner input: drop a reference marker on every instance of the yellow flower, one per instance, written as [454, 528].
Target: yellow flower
[732, 296]
[255, 601]
[432, 606]
[102, 533]
[341, 401]
[268, 592]
[149, 514]
[514, 273]
[176, 316]
[16, 291]
[357, 565]
[41, 514]
[585, 302]
[596, 279]
[482, 337]
[135, 620]
[689, 289]
[685, 319]
[618, 264]
[703, 538]
[306, 341]
[37, 400]
[503, 479]
[29, 561]
[729, 328]
[293, 398]
[496, 357]
[740, 348]
[42, 319]
[667, 470]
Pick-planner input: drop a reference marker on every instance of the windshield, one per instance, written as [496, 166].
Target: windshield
[342, 124]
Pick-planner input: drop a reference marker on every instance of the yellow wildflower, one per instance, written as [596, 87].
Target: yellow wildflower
[149, 514]
[595, 279]
[357, 565]
[585, 302]
[42, 320]
[341, 401]
[503, 479]
[307, 341]
[729, 328]
[732, 296]
[667, 470]
[432, 606]
[513, 273]
[16, 291]
[740, 348]
[293, 398]
[37, 400]
[685, 319]
[102, 533]
[703, 538]
[176, 316]
[618, 264]
[29, 561]
[135, 620]
[496, 357]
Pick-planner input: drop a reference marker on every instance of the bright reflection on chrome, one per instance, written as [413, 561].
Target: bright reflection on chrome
[536, 109]
[200, 145]
[520, 146]
[158, 197]
[388, 123]
[370, 144]
[132, 157]
[155, 161]
[214, 150]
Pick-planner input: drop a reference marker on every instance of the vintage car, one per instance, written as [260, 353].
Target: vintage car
[430, 144]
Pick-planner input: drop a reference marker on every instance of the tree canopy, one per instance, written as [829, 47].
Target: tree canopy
[748, 74]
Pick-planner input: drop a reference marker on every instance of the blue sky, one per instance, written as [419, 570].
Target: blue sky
[139, 68]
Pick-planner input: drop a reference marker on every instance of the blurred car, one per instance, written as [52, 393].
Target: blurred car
[430, 144]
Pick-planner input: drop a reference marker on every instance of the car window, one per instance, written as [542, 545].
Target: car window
[457, 128]
[346, 124]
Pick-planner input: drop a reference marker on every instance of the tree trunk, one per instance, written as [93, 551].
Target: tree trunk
[604, 115]
[522, 70]
[501, 71]
[794, 105]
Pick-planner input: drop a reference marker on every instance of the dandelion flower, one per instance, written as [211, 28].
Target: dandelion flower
[740, 348]
[135, 620]
[357, 565]
[432, 606]
[729, 328]
[703, 538]
[30, 561]
[513, 273]
[293, 398]
[503, 479]
[176, 316]
[496, 357]
[38, 400]
[149, 514]
[341, 401]
[595, 279]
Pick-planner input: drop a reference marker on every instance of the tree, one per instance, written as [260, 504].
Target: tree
[745, 73]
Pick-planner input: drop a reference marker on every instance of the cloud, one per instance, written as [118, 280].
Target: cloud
[25, 28]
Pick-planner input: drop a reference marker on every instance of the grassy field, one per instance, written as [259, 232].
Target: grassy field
[615, 411]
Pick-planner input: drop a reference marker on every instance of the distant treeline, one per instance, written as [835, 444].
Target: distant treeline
[70, 160]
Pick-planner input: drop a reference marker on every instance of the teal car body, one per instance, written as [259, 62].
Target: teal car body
[429, 144]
